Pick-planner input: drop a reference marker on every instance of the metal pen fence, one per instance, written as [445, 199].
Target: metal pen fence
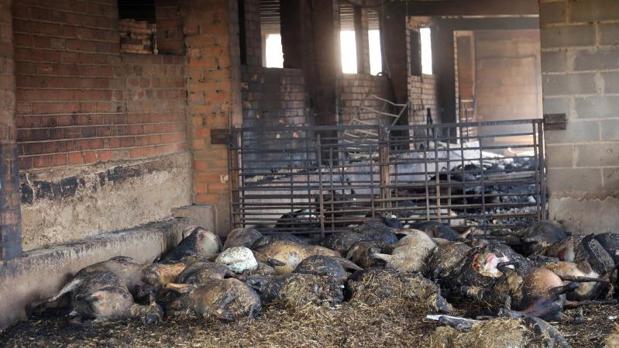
[323, 179]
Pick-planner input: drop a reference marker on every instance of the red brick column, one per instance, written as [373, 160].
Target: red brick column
[10, 217]
[213, 87]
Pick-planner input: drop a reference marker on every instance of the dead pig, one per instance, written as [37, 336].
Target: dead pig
[238, 259]
[342, 241]
[409, 253]
[202, 272]
[103, 296]
[285, 256]
[361, 253]
[245, 237]
[334, 267]
[200, 243]
[227, 299]
[437, 230]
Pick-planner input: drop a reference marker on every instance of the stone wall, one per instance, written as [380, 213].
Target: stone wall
[580, 69]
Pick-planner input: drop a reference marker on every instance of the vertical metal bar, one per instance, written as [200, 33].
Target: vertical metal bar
[482, 184]
[320, 189]
[295, 218]
[242, 175]
[332, 188]
[462, 165]
[538, 186]
[542, 166]
[383, 162]
[372, 200]
[425, 173]
[449, 175]
[306, 168]
[437, 175]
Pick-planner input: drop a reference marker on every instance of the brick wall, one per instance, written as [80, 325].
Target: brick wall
[10, 231]
[84, 110]
[170, 39]
[79, 101]
[214, 100]
[253, 34]
[581, 78]
[422, 95]
[355, 91]
[274, 97]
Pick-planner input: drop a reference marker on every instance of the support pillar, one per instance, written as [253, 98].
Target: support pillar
[310, 40]
[10, 214]
[444, 64]
[393, 33]
[211, 31]
[362, 40]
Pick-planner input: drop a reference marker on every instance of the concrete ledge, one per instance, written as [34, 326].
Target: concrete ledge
[39, 274]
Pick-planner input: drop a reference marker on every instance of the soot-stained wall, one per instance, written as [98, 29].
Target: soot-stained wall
[580, 46]
[101, 135]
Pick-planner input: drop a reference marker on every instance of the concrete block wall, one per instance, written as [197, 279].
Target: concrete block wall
[580, 67]
[507, 83]
[10, 235]
[422, 95]
[101, 135]
[355, 91]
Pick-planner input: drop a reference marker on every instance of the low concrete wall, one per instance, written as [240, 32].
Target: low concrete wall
[66, 204]
[586, 215]
[39, 274]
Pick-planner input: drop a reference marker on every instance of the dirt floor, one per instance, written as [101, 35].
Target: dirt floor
[353, 324]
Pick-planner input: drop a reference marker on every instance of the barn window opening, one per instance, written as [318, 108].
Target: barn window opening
[376, 56]
[137, 26]
[426, 51]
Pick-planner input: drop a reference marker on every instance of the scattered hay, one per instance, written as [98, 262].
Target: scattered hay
[376, 286]
[498, 333]
[612, 341]
[301, 290]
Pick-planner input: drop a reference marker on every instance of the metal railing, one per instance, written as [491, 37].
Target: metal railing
[318, 180]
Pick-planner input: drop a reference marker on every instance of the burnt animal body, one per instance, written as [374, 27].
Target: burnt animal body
[409, 253]
[223, 299]
[102, 295]
[436, 230]
[362, 253]
[285, 256]
[329, 266]
[245, 237]
[199, 242]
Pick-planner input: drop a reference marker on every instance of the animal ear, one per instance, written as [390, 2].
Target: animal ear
[275, 263]
[95, 297]
[347, 264]
[180, 288]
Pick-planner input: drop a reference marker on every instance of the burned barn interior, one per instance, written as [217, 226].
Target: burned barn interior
[309, 173]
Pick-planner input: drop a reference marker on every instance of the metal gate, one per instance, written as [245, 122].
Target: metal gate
[324, 179]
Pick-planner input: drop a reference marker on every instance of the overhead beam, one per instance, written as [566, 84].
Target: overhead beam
[470, 7]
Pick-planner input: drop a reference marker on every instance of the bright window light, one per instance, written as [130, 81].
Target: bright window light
[376, 59]
[348, 51]
[426, 51]
[274, 51]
